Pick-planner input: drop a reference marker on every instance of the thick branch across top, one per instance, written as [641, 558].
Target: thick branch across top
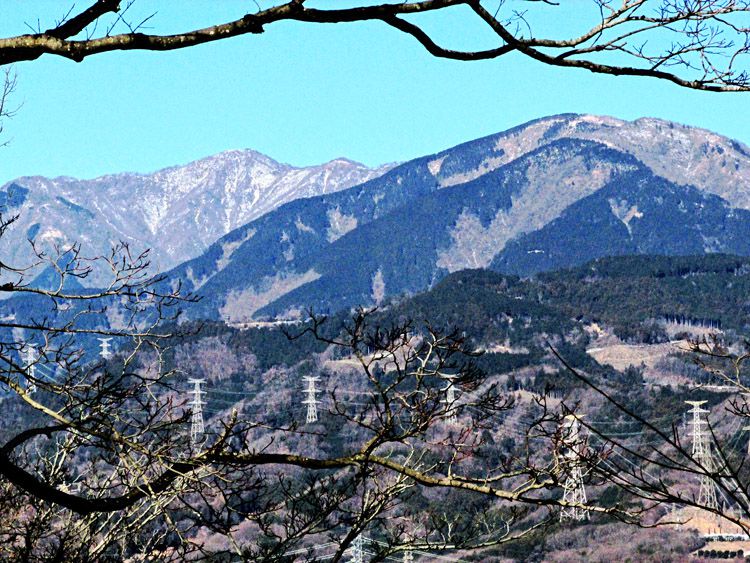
[706, 44]
[28, 47]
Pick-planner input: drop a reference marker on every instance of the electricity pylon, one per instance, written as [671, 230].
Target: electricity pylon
[30, 370]
[357, 548]
[450, 400]
[702, 455]
[311, 400]
[196, 423]
[574, 491]
[104, 351]
[746, 428]
[746, 398]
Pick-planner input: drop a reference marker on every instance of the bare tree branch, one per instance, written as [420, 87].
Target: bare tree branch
[697, 44]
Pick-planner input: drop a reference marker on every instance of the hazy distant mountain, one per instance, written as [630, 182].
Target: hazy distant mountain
[483, 203]
[177, 212]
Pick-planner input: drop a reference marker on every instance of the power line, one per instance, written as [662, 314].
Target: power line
[432, 556]
[227, 392]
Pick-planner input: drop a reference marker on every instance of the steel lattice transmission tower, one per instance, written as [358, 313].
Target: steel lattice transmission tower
[311, 400]
[197, 427]
[358, 555]
[574, 491]
[702, 455]
[104, 351]
[450, 401]
[746, 429]
[30, 370]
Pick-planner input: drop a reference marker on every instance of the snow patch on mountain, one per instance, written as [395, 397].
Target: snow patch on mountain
[241, 305]
[625, 212]
[434, 165]
[228, 248]
[378, 287]
[302, 227]
[339, 224]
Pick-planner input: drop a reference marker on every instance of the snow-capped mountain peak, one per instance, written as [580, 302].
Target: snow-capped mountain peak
[177, 211]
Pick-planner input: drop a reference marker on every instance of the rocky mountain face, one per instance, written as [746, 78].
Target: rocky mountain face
[176, 212]
[554, 192]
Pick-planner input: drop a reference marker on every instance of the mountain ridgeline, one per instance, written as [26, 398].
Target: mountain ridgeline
[553, 193]
[637, 213]
[176, 212]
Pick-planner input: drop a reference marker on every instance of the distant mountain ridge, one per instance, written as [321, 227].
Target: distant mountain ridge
[639, 213]
[470, 206]
[552, 193]
[177, 212]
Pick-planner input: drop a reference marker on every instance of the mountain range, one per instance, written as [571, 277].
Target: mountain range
[176, 212]
[553, 193]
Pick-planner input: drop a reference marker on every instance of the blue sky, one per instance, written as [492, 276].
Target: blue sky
[304, 94]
